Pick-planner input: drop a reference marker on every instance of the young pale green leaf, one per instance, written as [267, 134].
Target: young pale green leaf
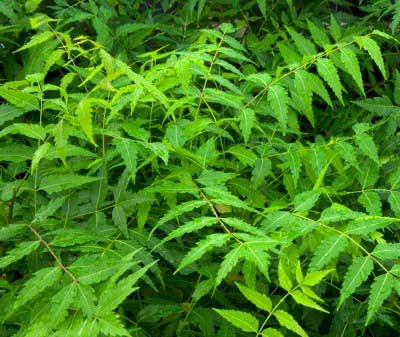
[387, 251]
[367, 146]
[260, 300]
[327, 250]
[286, 320]
[84, 112]
[34, 131]
[394, 201]
[22, 249]
[40, 280]
[371, 201]
[305, 46]
[315, 277]
[368, 224]
[357, 273]
[350, 62]
[278, 99]
[380, 290]
[271, 332]
[284, 280]
[60, 182]
[230, 260]
[37, 39]
[303, 299]
[246, 119]
[240, 319]
[328, 72]
[374, 52]
[306, 200]
[12, 230]
[203, 246]
[31, 5]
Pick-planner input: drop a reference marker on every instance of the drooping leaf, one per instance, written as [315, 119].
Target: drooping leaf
[357, 273]
[374, 52]
[328, 72]
[380, 290]
[350, 62]
[278, 99]
[318, 34]
[240, 319]
[246, 119]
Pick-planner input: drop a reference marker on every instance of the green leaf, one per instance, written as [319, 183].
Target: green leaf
[47, 210]
[86, 299]
[318, 34]
[338, 213]
[245, 156]
[350, 62]
[387, 251]
[262, 5]
[212, 178]
[380, 290]
[60, 182]
[262, 169]
[31, 5]
[367, 146]
[381, 106]
[328, 72]
[128, 151]
[371, 201]
[84, 111]
[394, 201]
[246, 119]
[303, 299]
[284, 281]
[9, 112]
[327, 250]
[15, 153]
[40, 280]
[306, 200]
[110, 325]
[305, 46]
[22, 249]
[368, 224]
[271, 332]
[203, 246]
[374, 52]
[34, 131]
[175, 135]
[240, 319]
[304, 90]
[260, 300]
[318, 87]
[220, 196]
[313, 278]
[37, 39]
[61, 302]
[120, 220]
[39, 154]
[278, 99]
[179, 210]
[357, 273]
[334, 29]
[221, 97]
[230, 260]
[9, 231]
[286, 320]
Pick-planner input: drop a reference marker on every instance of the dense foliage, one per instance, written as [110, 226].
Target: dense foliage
[199, 168]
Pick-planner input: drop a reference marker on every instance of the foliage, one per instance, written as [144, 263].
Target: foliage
[199, 168]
